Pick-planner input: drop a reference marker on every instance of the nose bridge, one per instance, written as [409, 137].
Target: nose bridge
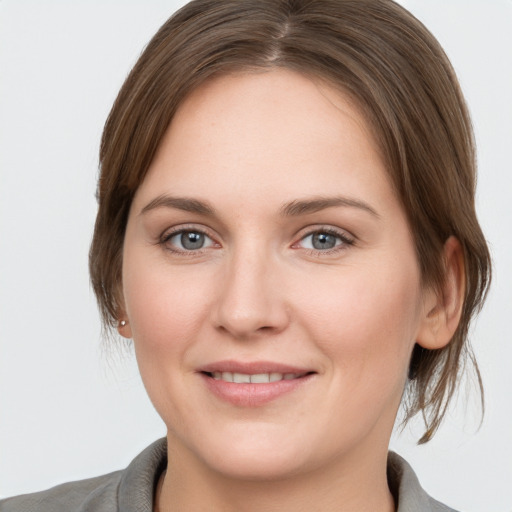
[249, 300]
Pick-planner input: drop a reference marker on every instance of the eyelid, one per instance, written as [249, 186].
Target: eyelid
[347, 239]
[169, 233]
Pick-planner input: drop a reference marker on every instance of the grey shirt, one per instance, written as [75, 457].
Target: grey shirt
[132, 489]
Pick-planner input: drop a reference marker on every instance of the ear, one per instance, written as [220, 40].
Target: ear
[443, 307]
[123, 322]
[123, 327]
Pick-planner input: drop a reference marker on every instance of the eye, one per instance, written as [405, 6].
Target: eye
[325, 240]
[187, 240]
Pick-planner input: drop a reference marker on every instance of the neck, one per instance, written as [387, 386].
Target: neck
[353, 485]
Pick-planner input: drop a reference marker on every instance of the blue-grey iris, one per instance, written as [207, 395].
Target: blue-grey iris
[192, 240]
[323, 241]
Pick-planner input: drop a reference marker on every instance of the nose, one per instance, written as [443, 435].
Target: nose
[251, 299]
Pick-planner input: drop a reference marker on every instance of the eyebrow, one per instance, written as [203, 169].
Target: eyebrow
[180, 203]
[292, 209]
[315, 204]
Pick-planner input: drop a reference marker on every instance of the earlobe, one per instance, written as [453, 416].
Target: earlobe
[443, 308]
[123, 324]
[124, 329]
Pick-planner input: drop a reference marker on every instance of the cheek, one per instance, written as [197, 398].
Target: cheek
[366, 322]
[166, 308]
[165, 305]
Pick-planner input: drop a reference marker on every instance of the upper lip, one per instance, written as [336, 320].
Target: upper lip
[252, 368]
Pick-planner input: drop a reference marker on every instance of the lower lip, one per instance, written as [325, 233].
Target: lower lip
[253, 395]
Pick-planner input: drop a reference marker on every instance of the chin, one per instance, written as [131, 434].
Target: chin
[256, 454]
[257, 466]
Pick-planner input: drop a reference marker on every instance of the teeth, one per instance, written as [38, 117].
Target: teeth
[227, 376]
[241, 378]
[257, 378]
[260, 378]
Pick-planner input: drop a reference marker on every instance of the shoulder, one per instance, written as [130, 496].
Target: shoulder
[130, 490]
[100, 491]
[407, 490]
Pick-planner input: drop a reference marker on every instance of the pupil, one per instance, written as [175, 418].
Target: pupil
[192, 240]
[324, 241]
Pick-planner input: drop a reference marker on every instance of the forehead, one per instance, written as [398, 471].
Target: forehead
[263, 133]
[278, 95]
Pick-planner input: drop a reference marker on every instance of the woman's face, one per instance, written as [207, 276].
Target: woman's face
[270, 280]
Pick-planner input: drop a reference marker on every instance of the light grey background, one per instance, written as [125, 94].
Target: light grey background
[69, 408]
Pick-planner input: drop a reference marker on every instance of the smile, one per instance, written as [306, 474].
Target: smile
[254, 384]
[257, 378]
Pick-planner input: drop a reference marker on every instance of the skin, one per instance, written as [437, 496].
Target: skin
[258, 290]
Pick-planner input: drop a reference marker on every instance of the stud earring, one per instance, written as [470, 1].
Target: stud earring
[122, 323]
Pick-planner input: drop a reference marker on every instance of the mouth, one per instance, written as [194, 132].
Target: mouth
[253, 384]
[254, 378]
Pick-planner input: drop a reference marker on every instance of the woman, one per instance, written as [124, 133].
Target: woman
[286, 230]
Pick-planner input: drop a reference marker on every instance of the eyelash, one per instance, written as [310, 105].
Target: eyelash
[168, 235]
[344, 239]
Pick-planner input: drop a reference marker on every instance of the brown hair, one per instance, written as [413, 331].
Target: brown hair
[388, 63]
